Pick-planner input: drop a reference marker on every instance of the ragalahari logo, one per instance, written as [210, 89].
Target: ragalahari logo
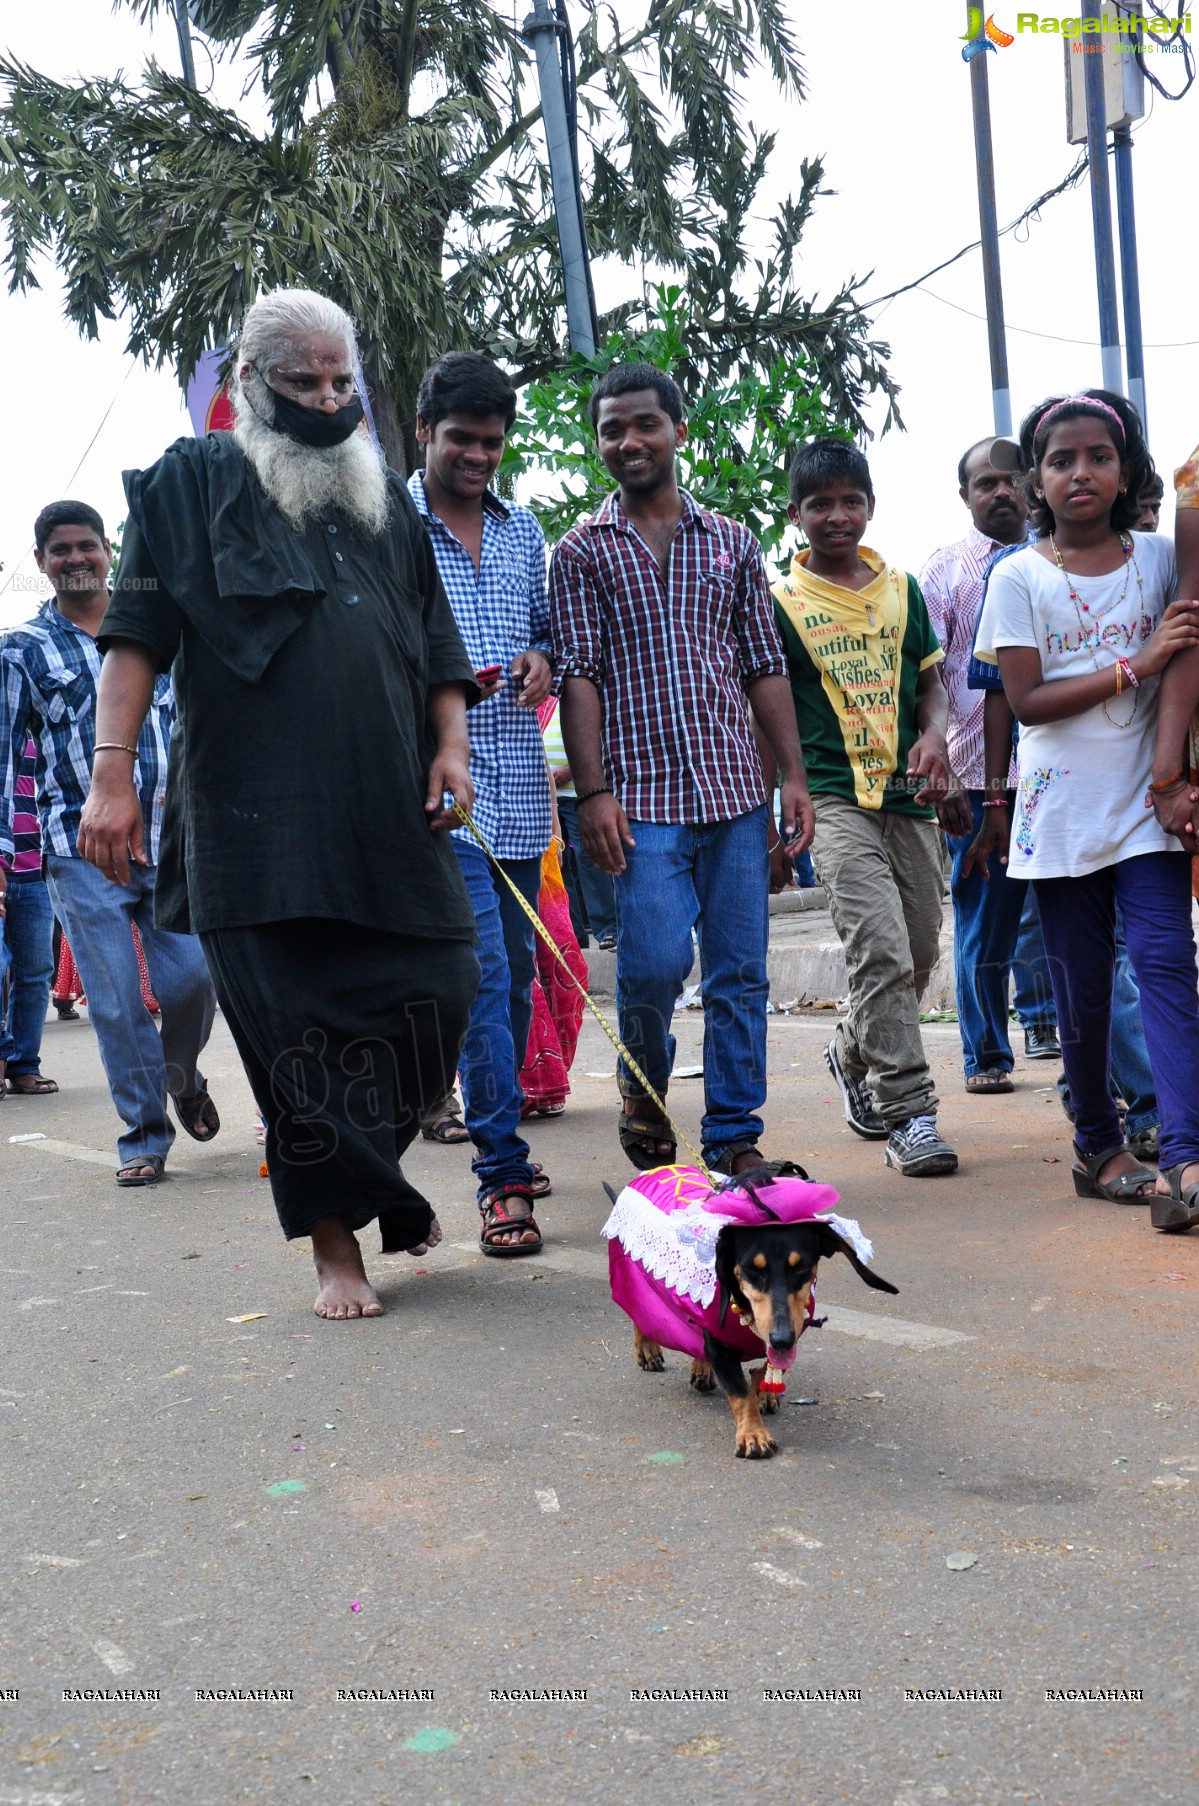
[980, 37]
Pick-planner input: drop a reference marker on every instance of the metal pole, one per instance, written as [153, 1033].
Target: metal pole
[980, 102]
[1101, 199]
[183, 32]
[541, 28]
[1129, 272]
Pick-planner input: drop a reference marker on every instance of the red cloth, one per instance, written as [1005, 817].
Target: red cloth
[557, 1005]
[68, 986]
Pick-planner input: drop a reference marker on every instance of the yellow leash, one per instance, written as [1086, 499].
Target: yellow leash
[468, 822]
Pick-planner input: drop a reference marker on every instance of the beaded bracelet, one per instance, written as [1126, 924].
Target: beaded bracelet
[600, 790]
[995, 802]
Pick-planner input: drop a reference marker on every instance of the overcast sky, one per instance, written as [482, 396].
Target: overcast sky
[889, 109]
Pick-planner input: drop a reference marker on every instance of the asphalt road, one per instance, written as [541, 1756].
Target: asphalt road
[481, 1492]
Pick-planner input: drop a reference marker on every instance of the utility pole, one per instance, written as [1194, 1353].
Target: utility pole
[183, 32]
[1101, 202]
[542, 29]
[980, 102]
[1134, 346]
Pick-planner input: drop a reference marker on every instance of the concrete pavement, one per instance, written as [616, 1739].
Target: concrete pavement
[202, 1482]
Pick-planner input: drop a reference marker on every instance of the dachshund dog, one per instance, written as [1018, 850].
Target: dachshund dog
[727, 1276]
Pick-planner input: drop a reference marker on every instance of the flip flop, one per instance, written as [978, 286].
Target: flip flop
[129, 1175]
[41, 1087]
[995, 1079]
[192, 1111]
[449, 1130]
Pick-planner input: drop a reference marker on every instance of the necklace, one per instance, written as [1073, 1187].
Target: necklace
[1082, 608]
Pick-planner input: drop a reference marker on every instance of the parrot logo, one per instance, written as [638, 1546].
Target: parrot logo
[979, 37]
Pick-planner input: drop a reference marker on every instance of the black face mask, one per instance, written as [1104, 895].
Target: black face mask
[311, 426]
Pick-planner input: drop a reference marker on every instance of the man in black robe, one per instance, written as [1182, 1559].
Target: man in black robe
[283, 574]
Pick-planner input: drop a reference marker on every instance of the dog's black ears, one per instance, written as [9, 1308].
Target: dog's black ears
[831, 1243]
[727, 1289]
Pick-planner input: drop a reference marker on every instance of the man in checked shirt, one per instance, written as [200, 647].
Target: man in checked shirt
[664, 638]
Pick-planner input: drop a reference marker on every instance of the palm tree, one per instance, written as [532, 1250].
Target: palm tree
[404, 175]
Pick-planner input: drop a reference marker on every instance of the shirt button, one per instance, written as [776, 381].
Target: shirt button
[339, 557]
[332, 528]
[351, 600]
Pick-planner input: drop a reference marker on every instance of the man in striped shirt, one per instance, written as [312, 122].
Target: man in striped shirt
[50, 668]
[663, 636]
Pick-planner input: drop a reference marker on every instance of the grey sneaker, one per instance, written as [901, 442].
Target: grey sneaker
[917, 1151]
[857, 1099]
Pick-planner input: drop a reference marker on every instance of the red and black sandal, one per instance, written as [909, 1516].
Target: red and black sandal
[499, 1220]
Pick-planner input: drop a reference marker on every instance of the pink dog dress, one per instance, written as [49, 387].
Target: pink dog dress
[662, 1253]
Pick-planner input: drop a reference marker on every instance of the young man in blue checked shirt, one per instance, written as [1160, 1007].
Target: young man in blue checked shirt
[491, 557]
[51, 668]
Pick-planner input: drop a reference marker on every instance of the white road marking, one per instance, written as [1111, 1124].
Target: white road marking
[113, 1657]
[70, 1150]
[895, 1330]
[547, 1498]
[781, 1578]
[37, 1796]
[797, 1537]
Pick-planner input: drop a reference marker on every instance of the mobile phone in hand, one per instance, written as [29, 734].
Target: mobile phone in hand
[488, 674]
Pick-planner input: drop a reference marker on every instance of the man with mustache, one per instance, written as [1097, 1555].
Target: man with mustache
[285, 575]
[987, 909]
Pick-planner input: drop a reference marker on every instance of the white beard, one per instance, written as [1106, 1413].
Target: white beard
[306, 481]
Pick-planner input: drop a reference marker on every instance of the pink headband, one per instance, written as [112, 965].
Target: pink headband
[1088, 401]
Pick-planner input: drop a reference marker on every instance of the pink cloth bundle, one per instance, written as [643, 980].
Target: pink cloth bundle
[662, 1249]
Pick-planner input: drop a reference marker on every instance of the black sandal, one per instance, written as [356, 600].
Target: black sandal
[643, 1138]
[1126, 1189]
[130, 1175]
[192, 1111]
[498, 1220]
[724, 1163]
[1175, 1214]
[449, 1130]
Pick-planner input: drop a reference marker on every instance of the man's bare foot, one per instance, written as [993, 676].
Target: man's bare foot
[345, 1290]
[432, 1237]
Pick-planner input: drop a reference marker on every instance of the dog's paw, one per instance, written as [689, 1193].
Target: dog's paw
[756, 1445]
[649, 1354]
[702, 1377]
[768, 1402]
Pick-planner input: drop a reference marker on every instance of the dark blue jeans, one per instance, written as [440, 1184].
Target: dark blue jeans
[1078, 918]
[599, 896]
[27, 959]
[716, 879]
[986, 928]
[498, 1034]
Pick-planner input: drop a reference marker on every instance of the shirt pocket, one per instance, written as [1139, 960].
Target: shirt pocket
[68, 695]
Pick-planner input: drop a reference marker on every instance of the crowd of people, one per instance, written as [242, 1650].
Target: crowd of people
[324, 747]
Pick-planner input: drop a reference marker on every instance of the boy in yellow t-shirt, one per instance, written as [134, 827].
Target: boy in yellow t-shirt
[872, 711]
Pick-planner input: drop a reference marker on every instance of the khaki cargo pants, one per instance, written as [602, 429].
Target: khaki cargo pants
[883, 874]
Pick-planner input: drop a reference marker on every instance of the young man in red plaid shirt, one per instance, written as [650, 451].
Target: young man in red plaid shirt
[664, 638]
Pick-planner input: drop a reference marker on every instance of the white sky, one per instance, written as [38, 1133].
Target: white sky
[889, 108]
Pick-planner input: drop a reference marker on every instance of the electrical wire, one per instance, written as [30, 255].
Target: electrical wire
[1058, 338]
[79, 466]
[1177, 36]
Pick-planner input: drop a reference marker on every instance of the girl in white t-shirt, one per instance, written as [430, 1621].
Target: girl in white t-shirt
[1083, 624]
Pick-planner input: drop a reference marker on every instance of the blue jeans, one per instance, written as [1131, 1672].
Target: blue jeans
[986, 929]
[141, 1066]
[1033, 986]
[1078, 916]
[27, 959]
[715, 877]
[599, 898]
[498, 1034]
